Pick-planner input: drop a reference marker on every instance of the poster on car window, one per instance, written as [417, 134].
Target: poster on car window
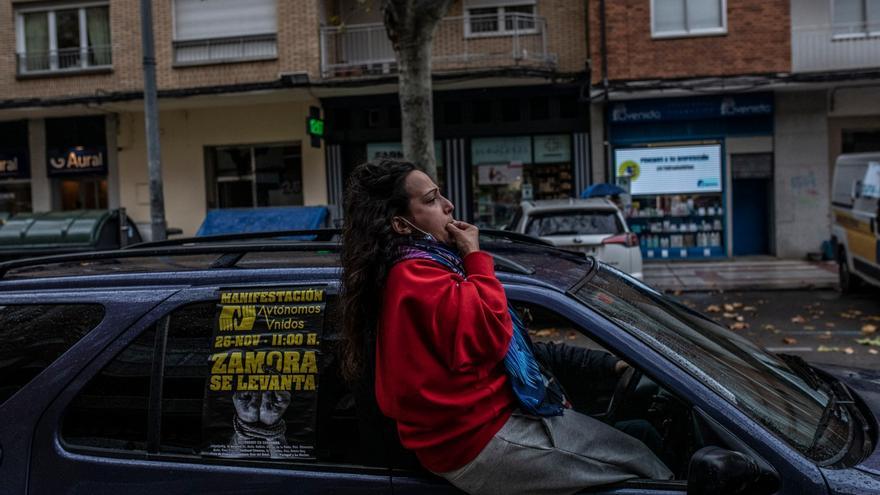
[261, 392]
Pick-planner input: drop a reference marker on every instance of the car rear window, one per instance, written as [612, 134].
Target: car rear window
[34, 336]
[574, 223]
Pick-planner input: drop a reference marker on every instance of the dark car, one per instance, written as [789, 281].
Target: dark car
[210, 365]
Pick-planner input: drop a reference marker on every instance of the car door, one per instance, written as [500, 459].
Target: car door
[48, 338]
[220, 389]
[800, 476]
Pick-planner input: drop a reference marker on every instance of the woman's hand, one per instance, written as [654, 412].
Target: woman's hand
[465, 236]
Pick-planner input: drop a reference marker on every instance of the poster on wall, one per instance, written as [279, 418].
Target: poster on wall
[499, 175]
[501, 150]
[671, 170]
[261, 394]
[14, 165]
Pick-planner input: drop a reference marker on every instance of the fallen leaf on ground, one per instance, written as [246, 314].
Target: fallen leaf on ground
[729, 307]
[875, 342]
[730, 315]
[768, 327]
[873, 351]
[737, 305]
[798, 319]
[825, 348]
[739, 326]
[714, 308]
[829, 324]
[789, 340]
[824, 336]
[677, 292]
[740, 318]
[809, 327]
[750, 308]
[544, 333]
[869, 328]
[571, 335]
[849, 350]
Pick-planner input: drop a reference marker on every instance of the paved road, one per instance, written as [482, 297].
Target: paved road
[820, 325]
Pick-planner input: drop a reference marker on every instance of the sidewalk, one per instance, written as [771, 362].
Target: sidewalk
[740, 274]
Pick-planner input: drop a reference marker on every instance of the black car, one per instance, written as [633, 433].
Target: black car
[209, 365]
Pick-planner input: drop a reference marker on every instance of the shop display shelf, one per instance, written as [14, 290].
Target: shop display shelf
[683, 253]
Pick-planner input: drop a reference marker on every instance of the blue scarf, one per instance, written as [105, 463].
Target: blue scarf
[538, 393]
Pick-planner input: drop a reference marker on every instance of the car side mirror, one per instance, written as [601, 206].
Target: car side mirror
[717, 471]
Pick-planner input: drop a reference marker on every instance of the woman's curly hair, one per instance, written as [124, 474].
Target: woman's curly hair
[376, 194]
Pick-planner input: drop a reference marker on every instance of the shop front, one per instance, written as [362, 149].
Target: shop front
[15, 183]
[697, 173]
[77, 162]
[494, 148]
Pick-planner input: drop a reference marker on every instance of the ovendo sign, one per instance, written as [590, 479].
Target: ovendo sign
[77, 160]
[671, 170]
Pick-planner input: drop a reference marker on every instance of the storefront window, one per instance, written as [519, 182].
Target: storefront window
[76, 150]
[508, 170]
[83, 193]
[15, 186]
[677, 207]
[254, 176]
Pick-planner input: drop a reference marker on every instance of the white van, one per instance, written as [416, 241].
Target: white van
[855, 200]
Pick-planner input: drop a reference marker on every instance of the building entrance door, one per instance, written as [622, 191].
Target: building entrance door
[752, 203]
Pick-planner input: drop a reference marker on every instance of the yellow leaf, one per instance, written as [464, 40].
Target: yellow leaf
[789, 340]
[869, 328]
[714, 308]
[798, 319]
[729, 307]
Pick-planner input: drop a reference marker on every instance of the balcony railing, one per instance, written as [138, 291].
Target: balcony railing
[64, 60]
[835, 47]
[230, 49]
[364, 49]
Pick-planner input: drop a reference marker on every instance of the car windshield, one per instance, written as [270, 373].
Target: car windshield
[574, 223]
[761, 385]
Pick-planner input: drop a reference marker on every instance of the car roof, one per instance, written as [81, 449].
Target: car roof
[297, 254]
[565, 204]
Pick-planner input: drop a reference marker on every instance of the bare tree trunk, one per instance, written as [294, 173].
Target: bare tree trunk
[416, 106]
[410, 25]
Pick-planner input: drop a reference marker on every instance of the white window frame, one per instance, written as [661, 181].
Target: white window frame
[868, 31]
[502, 31]
[688, 33]
[53, 41]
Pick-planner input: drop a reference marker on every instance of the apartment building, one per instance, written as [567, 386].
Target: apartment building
[233, 84]
[727, 117]
[237, 79]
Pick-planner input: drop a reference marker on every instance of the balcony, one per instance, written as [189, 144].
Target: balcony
[227, 49]
[835, 48]
[65, 60]
[460, 43]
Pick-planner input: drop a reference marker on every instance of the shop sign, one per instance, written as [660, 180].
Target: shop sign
[501, 150]
[671, 170]
[708, 107]
[14, 165]
[77, 160]
[553, 149]
[394, 151]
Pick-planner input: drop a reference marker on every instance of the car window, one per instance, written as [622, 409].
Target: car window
[35, 336]
[574, 223]
[760, 384]
[243, 378]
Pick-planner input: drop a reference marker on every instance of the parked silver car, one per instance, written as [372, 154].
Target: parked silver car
[593, 226]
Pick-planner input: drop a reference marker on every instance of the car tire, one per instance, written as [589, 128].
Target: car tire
[849, 281]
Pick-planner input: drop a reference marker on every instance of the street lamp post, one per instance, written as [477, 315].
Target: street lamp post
[151, 125]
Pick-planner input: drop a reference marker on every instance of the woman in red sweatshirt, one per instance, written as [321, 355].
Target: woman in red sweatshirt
[418, 290]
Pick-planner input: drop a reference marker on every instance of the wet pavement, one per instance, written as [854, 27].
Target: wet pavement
[758, 273]
[822, 326]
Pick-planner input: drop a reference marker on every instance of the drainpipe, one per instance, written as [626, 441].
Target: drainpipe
[589, 85]
[603, 46]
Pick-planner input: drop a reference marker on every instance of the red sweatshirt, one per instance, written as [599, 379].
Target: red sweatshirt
[439, 359]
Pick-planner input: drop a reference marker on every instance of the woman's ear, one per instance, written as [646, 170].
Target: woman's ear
[400, 226]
